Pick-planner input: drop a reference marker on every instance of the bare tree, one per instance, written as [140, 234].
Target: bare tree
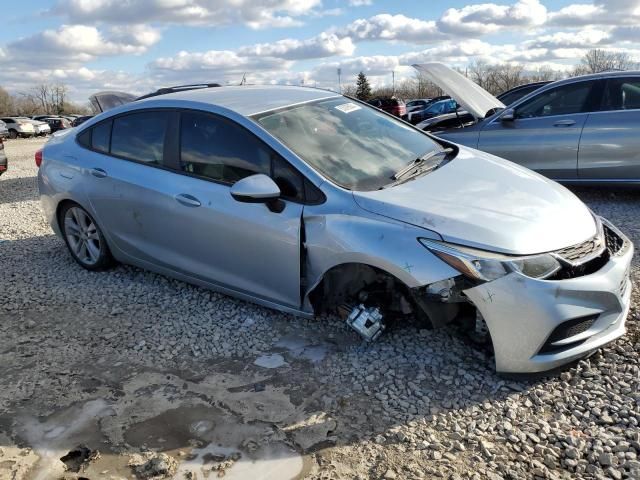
[6, 102]
[598, 60]
[50, 97]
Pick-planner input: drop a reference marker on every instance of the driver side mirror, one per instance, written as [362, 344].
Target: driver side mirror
[258, 188]
[509, 115]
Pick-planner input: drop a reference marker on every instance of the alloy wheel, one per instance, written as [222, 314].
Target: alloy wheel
[82, 235]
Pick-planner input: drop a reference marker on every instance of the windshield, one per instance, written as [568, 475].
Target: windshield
[352, 144]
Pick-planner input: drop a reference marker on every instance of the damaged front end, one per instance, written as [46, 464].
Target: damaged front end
[368, 298]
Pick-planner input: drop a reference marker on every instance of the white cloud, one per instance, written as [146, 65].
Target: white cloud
[254, 13]
[600, 12]
[74, 44]
[323, 45]
[360, 3]
[490, 17]
[375, 65]
[587, 38]
[392, 27]
[212, 66]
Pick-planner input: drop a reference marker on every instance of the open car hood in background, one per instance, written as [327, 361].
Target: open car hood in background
[475, 99]
[103, 101]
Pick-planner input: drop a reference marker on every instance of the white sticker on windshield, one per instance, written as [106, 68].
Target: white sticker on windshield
[348, 107]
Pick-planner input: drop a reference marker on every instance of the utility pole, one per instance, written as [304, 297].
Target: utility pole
[393, 82]
[339, 80]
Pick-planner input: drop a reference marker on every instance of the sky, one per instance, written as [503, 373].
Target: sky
[137, 46]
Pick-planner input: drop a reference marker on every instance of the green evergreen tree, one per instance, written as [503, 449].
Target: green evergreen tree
[363, 89]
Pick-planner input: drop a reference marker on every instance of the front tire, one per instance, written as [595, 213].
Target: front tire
[13, 134]
[84, 239]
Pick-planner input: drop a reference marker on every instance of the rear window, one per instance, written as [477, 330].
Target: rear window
[140, 136]
[101, 137]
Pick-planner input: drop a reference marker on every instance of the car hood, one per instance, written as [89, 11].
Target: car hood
[471, 96]
[488, 203]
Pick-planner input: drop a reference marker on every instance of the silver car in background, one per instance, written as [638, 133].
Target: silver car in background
[581, 130]
[304, 200]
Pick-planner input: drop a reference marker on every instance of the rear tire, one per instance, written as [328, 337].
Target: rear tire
[13, 134]
[84, 239]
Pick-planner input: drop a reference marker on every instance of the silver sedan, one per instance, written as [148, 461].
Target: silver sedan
[304, 200]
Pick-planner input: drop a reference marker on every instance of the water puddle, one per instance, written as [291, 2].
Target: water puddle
[271, 462]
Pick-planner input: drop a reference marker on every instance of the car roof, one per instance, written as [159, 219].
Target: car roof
[249, 99]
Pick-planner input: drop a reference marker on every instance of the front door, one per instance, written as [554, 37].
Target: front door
[545, 133]
[244, 246]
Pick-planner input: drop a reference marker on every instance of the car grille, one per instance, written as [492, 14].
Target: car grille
[565, 330]
[578, 252]
[613, 241]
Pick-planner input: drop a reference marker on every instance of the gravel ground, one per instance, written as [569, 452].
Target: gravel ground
[156, 378]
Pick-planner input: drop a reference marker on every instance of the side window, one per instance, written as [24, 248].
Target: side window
[563, 100]
[622, 94]
[288, 179]
[101, 137]
[139, 136]
[218, 149]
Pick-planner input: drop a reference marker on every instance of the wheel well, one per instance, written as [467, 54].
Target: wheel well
[59, 209]
[352, 283]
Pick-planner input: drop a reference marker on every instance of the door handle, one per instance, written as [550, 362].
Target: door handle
[187, 200]
[98, 172]
[564, 123]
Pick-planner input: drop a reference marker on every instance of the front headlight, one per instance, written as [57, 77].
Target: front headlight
[487, 266]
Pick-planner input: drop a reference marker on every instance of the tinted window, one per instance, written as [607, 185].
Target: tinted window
[219, 149]
[101, 136]
[288, 179]
[84, 138]
[622, 94]
[139, 136]
[510, 97]
[564, 100]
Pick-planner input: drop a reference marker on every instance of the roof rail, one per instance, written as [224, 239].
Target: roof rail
[178, 88]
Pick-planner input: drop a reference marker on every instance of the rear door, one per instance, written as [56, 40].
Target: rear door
[126, 180]
[545, 133]
[610, 143]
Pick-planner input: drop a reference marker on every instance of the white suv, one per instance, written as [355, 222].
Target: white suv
[19, 127]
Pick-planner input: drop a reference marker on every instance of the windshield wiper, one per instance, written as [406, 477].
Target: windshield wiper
[417, 165]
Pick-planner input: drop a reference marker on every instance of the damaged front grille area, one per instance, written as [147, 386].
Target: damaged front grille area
[614, 242]
[576, 253]
[590, 256]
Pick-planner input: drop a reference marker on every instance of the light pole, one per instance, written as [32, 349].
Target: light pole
[393, 83]
[339, 81]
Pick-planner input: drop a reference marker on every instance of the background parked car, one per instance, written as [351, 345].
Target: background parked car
[40, 127]
[41, 118]
[516, 93]
[433, 110]
[418, 104]
[3, 157]
[80, 120]
[58, 124]
[19, 127]
[447, 121]
[581, 130]
[416, 114]
[394, 106]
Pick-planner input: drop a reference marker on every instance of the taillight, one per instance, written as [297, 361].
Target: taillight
[39, 158]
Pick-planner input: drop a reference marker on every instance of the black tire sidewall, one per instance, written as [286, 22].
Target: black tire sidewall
[105, 260]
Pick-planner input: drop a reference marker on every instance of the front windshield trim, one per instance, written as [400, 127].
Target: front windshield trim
[315, 166]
